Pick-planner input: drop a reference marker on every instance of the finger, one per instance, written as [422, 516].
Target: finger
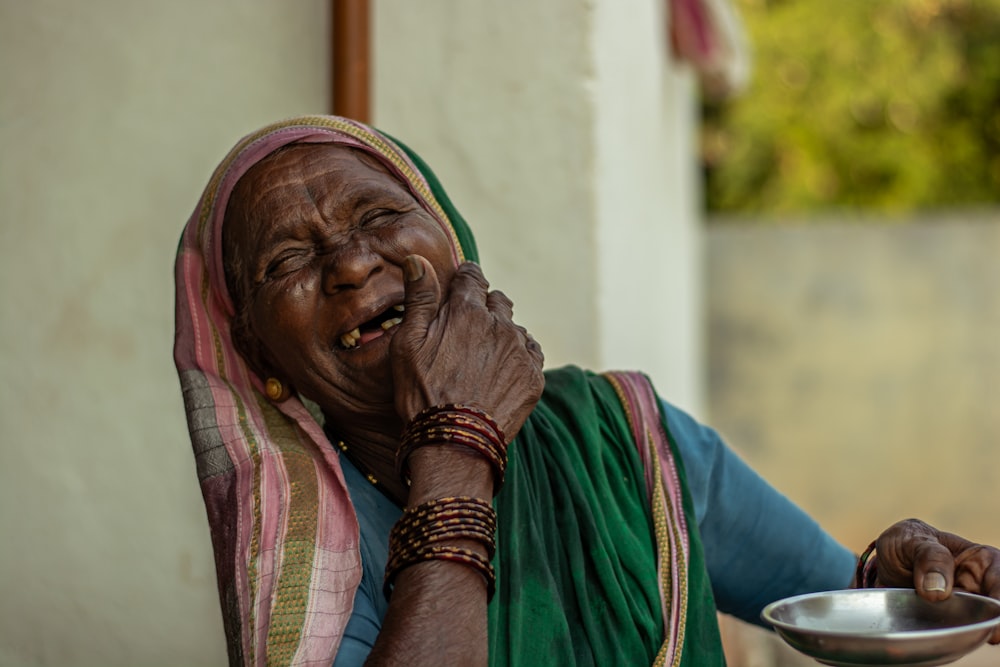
[934, 572]
[925, 553]
[990, 584]
[977, 570]
[908, 552]
[422, 295]
[500, 304]
[469, 284]
[531, 345]
[535, 350]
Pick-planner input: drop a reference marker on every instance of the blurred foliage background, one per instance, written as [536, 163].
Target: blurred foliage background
[891, 105]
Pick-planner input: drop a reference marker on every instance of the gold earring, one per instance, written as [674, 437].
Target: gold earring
[276, 391]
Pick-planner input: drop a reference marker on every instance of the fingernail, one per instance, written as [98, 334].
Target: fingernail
[413, 269]
[934, 581]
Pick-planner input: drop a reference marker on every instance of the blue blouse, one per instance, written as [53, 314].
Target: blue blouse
[759, 547]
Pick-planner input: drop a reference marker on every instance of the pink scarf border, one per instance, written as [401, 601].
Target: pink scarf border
[665, 492]
[283, 528]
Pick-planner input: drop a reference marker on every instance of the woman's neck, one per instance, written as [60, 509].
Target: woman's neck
[373, 452]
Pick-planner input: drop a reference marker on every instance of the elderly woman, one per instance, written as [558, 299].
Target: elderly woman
[390, 477]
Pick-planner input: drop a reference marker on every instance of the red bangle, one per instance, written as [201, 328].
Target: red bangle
[421, 530]
[468, 557]
[455, 424]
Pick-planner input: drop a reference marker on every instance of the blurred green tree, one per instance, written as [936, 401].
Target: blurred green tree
[891, 105]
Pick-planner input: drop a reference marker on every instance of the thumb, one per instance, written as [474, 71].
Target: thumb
[422, 294]
[933, 571]
[927, 554]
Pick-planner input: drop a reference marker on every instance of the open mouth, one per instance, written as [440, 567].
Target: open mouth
[372, 329]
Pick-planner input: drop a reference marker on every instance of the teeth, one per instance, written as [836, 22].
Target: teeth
[351, 338]
[399, 307]
[388, 324]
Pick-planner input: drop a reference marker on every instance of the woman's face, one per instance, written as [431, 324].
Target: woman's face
[322, 232]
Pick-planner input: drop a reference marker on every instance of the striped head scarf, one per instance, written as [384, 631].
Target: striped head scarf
[283, 529]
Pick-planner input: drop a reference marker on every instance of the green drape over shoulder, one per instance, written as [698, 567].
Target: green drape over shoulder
[585, 565]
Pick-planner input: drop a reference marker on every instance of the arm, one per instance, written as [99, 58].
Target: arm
[437, 612]
[759, 546]
[467, 350]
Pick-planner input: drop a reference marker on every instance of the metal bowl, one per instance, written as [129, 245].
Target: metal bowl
[883, 626]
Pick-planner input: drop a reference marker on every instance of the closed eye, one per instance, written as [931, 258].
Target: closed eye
[286, 262]
[376, 216]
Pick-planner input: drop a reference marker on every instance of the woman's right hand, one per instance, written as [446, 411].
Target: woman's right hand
[464, 349]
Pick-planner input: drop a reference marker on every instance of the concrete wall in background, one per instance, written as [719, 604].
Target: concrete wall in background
[857, 367]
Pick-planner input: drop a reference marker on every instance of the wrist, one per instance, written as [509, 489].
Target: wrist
[449, 447]
[436, 472]
[456, 529]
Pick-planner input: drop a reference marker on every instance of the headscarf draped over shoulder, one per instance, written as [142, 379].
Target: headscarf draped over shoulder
[284, 531]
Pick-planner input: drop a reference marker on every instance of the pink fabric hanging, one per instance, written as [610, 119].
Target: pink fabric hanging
[709, 35]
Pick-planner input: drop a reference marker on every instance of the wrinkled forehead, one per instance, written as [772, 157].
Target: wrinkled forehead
[294, 179]
[254, 149]
[299, 166]
[292, 163]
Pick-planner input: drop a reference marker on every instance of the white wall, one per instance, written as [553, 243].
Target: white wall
[647, 202]
[564, 134]
[500, 106]
[112, 115]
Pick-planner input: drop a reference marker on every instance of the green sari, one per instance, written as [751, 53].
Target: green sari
[577, 562]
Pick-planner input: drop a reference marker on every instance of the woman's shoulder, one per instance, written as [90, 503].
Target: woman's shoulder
[577, 395]
[576, 383]
[571, 386]
[566, 373]
[574, 377]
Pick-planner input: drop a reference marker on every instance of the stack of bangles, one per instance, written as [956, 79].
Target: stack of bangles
[428, 531]
[422, 533]
[867, 569]
[455, 424]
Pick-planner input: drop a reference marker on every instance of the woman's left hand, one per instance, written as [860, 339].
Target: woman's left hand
[914, 554]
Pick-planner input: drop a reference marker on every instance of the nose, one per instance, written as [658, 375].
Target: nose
[350, 266]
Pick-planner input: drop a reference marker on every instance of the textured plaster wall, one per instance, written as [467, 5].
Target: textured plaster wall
[499, 107]
[858, 368]
[647, 203]
[564, 133]
[112, 115]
